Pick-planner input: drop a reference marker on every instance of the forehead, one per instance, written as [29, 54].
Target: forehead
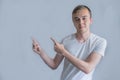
[82, 12]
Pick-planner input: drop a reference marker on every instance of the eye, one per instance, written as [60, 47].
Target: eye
[76, 19]
[84, 18]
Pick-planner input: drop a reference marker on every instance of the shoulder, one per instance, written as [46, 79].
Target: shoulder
[97, 39]
[99, 43]
[67, 38]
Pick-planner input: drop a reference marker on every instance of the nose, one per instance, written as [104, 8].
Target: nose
[81, 21]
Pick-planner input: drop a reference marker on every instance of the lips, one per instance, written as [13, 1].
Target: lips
[80, 27]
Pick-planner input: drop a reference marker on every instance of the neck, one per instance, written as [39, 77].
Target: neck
[82, 37]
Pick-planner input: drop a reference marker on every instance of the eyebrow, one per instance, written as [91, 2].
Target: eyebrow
[81, 17]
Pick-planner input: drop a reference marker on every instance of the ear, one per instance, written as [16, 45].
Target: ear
[91, 20]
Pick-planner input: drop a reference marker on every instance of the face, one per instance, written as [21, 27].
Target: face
[82, 20]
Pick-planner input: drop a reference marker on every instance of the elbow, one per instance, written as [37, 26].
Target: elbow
[54, 67]
[87, 70]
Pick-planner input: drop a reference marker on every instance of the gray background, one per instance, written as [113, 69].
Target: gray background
[22, 19]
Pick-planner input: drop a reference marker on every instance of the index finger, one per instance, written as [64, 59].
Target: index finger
[54, 41]
[33, 39]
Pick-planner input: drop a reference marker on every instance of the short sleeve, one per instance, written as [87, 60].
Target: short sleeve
[100, 47]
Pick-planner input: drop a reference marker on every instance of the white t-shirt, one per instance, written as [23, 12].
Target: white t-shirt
[81, 50]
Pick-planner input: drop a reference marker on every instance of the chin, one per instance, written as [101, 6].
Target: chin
[83, 31]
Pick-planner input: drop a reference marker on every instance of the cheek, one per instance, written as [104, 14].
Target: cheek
[75, 24]
[88, 22]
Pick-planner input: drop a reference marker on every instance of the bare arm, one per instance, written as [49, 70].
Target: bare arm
[52, 63]
[84, 65]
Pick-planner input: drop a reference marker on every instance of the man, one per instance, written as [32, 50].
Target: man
[81, 51]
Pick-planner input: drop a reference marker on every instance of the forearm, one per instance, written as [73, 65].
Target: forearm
[52, 63]
[49, 61]
[80, 64]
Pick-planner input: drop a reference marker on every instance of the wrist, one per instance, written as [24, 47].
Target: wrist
[64, 52]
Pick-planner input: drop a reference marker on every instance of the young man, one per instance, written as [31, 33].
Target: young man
[81, 51]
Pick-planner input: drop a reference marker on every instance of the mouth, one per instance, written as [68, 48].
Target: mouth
[80, 27]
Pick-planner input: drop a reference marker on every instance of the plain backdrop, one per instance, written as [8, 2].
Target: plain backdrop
[22, 19]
